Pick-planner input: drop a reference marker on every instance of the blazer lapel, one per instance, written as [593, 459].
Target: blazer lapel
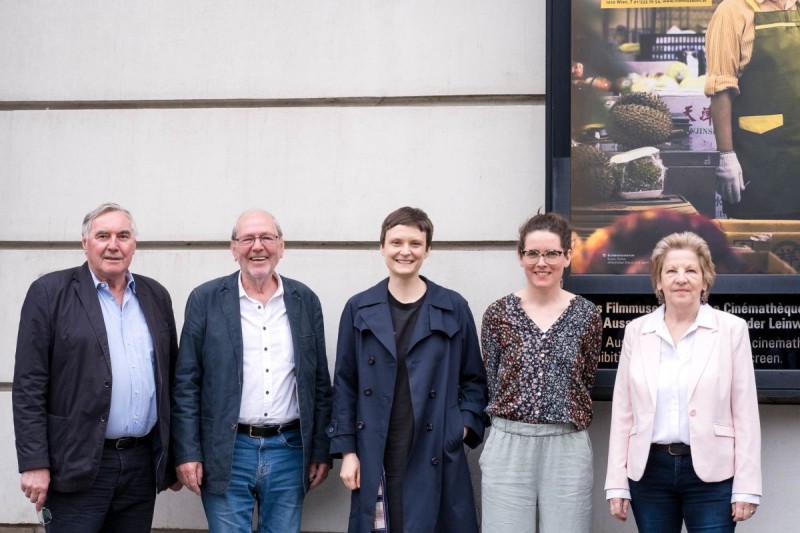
[229, 300]
[651, 360]
[293, 310]
[87, 294]
[701, 353]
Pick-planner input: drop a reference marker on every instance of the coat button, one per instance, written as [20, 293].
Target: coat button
[434, 461]
[370, 360]
[429, 427]
[367, 392]
[360, 425]
[234, 427]
[106, 384]
[103, 418]
[432, 394]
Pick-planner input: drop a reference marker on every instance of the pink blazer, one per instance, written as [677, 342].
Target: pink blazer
[722, 404]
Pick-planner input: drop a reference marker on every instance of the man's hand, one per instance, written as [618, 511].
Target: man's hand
[34, 484]
[191, 475]
[619, 508]
[317, 473]
[730, 182]
[351, 471]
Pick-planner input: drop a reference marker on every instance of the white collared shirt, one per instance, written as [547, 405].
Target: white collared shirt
[269, 392]
[671, 420]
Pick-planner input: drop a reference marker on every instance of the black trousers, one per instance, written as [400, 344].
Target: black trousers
[121, 500]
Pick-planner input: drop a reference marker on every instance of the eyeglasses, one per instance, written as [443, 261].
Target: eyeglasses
[551, 257]
[267, 240]
[44, 516]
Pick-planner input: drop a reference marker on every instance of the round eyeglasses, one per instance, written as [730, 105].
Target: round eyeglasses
[551, 257]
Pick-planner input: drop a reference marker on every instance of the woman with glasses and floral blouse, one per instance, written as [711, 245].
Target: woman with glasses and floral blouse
[540, 346]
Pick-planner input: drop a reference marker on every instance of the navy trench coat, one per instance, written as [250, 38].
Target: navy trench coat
[448, 392]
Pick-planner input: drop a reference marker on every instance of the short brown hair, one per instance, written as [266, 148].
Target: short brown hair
[409, 216]
[551, 222]
[683, 241]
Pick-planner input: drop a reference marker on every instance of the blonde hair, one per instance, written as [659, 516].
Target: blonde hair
[683, 241]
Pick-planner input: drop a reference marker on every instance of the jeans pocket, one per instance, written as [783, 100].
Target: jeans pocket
[292, 439]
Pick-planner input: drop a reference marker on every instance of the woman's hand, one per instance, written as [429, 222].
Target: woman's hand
[619, 508]
[351, 471]
[741, 511]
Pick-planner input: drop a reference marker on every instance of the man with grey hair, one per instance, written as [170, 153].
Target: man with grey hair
[252, 389]
[91, 395]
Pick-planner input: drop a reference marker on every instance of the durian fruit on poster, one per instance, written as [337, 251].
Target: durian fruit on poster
[685, 117]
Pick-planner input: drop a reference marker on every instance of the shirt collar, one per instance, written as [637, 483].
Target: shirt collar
[243, 293]
[128, 276]
[655, 320]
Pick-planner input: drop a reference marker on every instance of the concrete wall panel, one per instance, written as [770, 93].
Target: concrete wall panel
[329, 174]
[203, 49]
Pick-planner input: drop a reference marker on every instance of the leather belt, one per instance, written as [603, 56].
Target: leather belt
[676, 448]
[126, 443]
[257, 432]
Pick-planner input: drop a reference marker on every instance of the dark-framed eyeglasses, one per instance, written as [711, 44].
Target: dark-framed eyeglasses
[249, 240]
[551, 257]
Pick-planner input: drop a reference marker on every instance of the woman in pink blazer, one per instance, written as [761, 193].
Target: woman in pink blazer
[685, 443]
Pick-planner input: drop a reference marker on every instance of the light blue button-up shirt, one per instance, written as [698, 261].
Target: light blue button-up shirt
[133, 388]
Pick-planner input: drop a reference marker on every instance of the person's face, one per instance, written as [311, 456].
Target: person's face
[681, 279]
[539, 272]
[110, 246]
[404, 250]
[259, 259]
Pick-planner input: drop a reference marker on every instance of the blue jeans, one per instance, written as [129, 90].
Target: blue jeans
[266, 470]
[670, 492]
[121, 499]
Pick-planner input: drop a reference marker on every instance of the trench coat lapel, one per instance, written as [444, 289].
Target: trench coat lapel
[293, 304]
[87, 294]
[378, 320]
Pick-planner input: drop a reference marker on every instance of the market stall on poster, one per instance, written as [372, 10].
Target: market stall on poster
[634, 156]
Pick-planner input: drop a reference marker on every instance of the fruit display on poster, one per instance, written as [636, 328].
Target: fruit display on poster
[647, 158]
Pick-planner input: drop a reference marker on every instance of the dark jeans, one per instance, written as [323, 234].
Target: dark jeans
[670, 493]
[121, 500]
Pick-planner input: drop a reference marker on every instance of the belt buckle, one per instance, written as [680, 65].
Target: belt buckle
[122, 444]
[250, 432]
[669, 449]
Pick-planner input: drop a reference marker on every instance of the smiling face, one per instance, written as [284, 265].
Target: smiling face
[681, 279]
[257, 260]
[109, 246]
[539, 273]
[404, 250]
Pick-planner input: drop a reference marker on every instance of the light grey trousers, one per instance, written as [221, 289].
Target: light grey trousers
[536, 468]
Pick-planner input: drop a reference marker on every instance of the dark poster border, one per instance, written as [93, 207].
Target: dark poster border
[775, 386]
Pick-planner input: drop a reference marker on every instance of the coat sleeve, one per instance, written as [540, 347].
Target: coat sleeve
[188, 378]
[744, 409]
[472, 397]
[345, 386]
[621, 418]
[32, 380]
[322, 390]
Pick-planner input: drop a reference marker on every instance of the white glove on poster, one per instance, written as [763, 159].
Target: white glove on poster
[730, 182]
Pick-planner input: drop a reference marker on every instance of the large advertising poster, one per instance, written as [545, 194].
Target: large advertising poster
[683, 117]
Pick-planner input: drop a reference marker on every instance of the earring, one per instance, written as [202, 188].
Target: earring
[703, 297]
[660, 297]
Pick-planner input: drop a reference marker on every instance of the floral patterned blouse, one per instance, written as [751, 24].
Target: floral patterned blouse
[541, 377]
